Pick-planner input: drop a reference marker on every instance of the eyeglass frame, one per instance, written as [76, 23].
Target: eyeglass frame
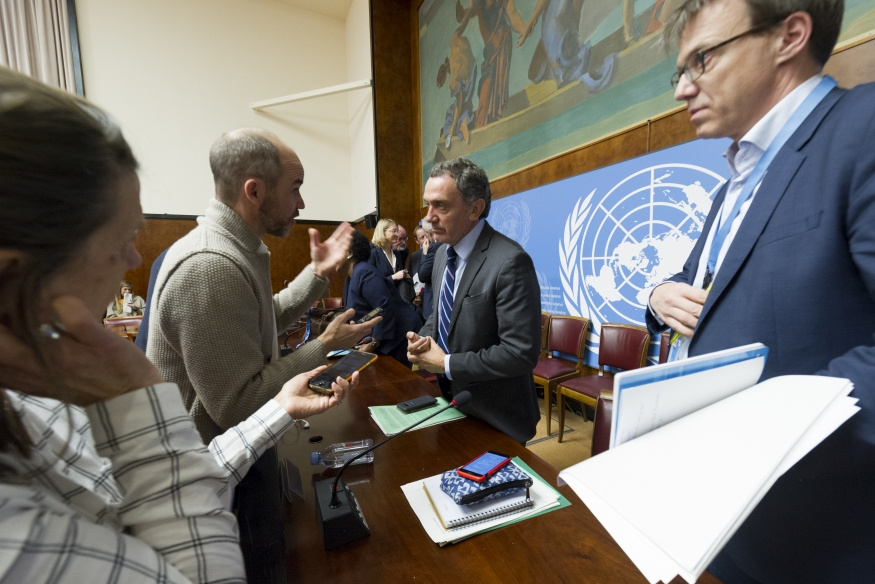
[700, 56]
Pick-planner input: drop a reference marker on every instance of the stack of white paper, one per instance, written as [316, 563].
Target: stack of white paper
[673, 497]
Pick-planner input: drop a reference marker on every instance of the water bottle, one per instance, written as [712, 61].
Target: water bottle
[336, 455]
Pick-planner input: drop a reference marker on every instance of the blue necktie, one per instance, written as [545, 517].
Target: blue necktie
[446, 305]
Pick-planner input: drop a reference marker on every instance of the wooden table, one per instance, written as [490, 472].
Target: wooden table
[567, 545]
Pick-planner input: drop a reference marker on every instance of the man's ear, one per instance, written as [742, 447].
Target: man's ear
[795, 35]
[476, 209]
[254, 191]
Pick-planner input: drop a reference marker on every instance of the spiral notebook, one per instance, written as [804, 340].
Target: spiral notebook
[453, 515]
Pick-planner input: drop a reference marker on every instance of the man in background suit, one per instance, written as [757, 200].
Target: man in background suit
[426, 267]
[786, 258]
[402, 252]
[413, 265]
[485, 337]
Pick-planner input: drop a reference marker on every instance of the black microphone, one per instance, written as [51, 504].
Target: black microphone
[341, 517]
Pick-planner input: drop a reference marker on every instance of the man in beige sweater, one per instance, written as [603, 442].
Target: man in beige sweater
[215, 319]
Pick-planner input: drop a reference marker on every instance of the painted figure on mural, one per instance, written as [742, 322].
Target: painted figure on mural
[560, 55]
[461, 69]
[496, 18]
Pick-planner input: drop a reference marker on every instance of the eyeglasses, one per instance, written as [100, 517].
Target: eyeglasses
[695, 65]
[402, 238]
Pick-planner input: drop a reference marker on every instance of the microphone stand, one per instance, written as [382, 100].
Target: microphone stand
[341, 519]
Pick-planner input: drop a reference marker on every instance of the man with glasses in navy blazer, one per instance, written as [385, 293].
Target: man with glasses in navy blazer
[786, 258]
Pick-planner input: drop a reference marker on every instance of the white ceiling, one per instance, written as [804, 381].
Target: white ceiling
[337, 9]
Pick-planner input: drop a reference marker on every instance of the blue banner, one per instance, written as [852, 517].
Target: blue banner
[602, 240]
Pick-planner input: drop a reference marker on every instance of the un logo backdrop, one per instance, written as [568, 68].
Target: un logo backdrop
[602, 240]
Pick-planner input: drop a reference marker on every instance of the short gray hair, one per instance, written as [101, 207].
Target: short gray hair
[243, 154]
[471, 180]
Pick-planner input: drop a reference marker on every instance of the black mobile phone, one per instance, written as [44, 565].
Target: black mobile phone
[484, 466]
[355, 361]
[417, 403]
[371, 315]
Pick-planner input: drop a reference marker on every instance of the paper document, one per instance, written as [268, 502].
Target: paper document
[673, 497]
[391, 420]
[650, 397]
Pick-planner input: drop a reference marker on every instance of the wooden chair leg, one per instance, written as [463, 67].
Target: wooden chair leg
[560, 405]
[548, 397]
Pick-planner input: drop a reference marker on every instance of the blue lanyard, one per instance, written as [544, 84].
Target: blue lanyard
[815, 97]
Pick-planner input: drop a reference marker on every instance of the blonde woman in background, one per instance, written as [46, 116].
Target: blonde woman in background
[122, 307]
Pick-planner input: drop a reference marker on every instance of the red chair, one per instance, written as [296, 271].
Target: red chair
[601, 434]
[664, 346]
[565, 335]
[125, 326]
[334, 302]
[621, 346]
[545, 326]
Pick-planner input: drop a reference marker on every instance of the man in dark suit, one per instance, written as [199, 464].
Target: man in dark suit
[426, 267]
[484, 332]
[786, 258]
[413, 265]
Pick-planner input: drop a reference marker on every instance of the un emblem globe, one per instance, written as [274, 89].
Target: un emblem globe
[636, 236]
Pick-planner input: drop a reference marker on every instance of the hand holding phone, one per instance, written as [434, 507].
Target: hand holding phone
[484, 466]
[354, 361]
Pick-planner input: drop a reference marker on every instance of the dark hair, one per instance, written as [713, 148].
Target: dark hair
[59, 159]
[240, 155]
[470, 179]
[826, 19]
[360, 248]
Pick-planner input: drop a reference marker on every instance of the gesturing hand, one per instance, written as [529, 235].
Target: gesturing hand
[332, 252]
[300, 401]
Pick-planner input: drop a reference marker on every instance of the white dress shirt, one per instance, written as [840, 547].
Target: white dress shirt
[125, 491]
[463, 250]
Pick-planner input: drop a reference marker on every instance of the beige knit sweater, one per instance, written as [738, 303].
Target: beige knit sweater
[214, 322]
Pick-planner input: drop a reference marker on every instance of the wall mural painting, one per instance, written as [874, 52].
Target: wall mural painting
[602, 240]
[509, 83]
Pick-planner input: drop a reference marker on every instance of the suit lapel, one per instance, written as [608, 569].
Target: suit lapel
[773, 188]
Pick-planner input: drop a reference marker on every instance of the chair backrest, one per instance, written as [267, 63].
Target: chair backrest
[623, 346]
[664, 345]
[334, 302]
[601, 433]
[567, 335]
[123, 322]
[545, 326]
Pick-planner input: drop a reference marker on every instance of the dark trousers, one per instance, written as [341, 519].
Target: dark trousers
[258, 505]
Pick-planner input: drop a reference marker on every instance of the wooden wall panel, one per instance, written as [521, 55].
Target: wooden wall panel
[155, 236]
[289, 255]
[396, 102]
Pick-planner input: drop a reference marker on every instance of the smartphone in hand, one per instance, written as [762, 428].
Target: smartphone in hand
[354, 361]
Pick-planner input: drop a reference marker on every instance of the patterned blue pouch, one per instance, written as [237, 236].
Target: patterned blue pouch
[510, 480]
